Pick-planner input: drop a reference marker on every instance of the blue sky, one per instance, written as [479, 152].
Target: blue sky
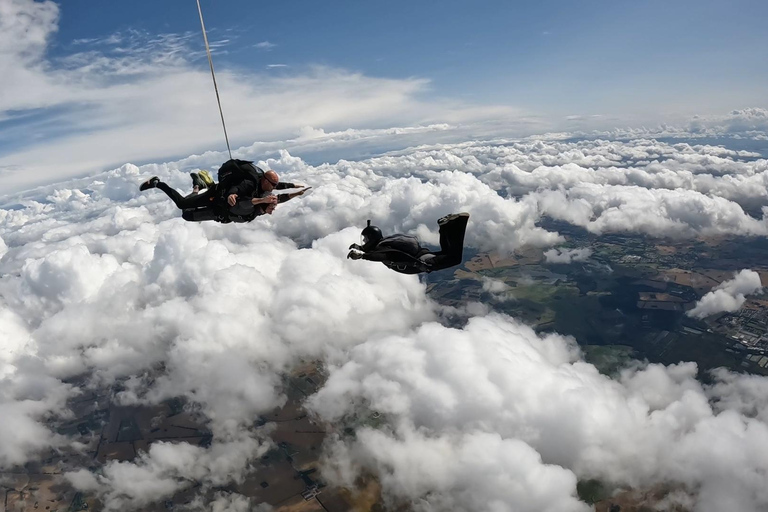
[554, 55]
[127, 79]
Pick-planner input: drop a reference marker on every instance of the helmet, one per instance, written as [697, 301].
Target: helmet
[371, 236]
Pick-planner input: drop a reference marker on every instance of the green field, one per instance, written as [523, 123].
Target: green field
[706, 350]
[609, 359]
[596, 302]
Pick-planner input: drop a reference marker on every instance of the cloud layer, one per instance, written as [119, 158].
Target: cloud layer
[510, 407]
[137, 96]
[100, 284]
[101, 281]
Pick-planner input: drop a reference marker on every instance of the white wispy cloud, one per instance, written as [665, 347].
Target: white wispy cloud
[747, 123]
[147, 96]
[265, 45]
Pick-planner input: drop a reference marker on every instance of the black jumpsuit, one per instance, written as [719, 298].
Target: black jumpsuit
[402, 253]
[208, 205]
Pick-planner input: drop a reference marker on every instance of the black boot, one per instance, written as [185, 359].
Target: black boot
[197, 181]
[150, 183]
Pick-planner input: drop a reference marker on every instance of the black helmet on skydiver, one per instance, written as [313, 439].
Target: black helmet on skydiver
[371, 236]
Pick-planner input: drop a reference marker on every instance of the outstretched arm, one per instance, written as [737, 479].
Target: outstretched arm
[281, 198]
[384, 254]
[267, 200]
[287, 184]
[378, 255]
[388, 254]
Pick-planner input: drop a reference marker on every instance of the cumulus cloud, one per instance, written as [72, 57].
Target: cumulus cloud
[232, 503]
[478, 471]
[642, 186]
[498, 399]
[745, 394]
[729, 295]
[22, 429]
[494, 286]
[100, 280]
[166, 469]
[566, 256]
[737, 121]
[102, 283]
[106, 282]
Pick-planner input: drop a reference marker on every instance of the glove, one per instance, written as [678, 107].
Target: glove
[356, 246]
[427, 259]
[354, 255]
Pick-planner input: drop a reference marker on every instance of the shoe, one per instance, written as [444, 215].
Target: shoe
[150, 183]
[451, 217]
[197, 181]
[206, 177]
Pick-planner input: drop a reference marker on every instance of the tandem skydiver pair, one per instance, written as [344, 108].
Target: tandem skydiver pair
[244, 193]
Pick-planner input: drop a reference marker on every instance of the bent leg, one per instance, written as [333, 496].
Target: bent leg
[452, 242]
[199, 215]
[185, 203]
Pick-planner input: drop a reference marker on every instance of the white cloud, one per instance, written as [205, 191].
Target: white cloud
[25, 29]
[743, 120]
[97, 279]
[152, 93]
[563, 255]
[494, 286]
[22, 430]
[234, 503]
[497, 384]
[166, 469]
[148, 96]
[478, 471]
[608, 186]
[729, 295]
[745, 394]
[265, 45]
[743, 124]
[102, 280]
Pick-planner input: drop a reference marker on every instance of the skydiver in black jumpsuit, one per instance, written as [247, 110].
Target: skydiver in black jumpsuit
[402, 253]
